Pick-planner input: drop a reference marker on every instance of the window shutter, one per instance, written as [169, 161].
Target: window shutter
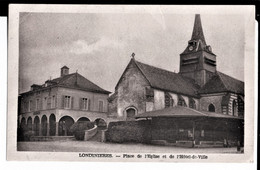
[33, 105]
[72, 102]
[40, 100]
[89, 104]
[80, 103]
[56, 98]
[63, 102]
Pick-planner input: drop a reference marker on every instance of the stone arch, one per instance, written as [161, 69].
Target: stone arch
[52, 123]
[44, 125]
[36, 124]
[29, 123]
[211, 108]
[23, 123]
[130, 112]
[64, 126]
[234, 108]
[83, 119]
[101, 123]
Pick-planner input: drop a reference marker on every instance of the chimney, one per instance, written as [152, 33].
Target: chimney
[64, 71]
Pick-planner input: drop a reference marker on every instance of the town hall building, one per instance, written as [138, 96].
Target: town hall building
[50, 109]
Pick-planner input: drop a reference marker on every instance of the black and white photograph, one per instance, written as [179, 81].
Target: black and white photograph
[131, 83]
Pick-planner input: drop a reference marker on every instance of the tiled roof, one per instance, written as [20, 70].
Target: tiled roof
[166, 80]
[77, 81]
[221, 82]
[180, 111]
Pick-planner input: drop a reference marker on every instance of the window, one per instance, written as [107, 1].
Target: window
[168, 100]
[53, 102]
[211, 108]
[85, 104]
[100, 105]
[30, 108]
[48, 102]
[181, 101]
[67, 101]
[37, 104]
[234, 108]
[202, 133]
[192, 103]
[45, 102]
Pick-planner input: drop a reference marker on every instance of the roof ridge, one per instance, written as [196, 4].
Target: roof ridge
[156, 67]
[63, 76]
[145, 76]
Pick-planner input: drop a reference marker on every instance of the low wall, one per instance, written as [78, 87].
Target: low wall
[185, 143]
[90, 133]
[128, 131]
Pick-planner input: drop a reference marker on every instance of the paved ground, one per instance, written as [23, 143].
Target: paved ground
[93, 146]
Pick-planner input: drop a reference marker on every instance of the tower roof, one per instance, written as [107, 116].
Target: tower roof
[64, 67]
[197, 33]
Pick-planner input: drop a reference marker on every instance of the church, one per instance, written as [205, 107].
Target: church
[197, 104]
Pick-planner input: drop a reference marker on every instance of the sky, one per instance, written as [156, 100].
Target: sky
[99, 45]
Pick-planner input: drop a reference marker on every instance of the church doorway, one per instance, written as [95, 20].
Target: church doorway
[131, 112]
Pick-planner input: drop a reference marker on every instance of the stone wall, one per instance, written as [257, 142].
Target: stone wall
[216, 99]
[159, 102]
[131, 91]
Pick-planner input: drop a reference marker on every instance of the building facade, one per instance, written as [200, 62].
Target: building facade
[51, 108]
[198, 100]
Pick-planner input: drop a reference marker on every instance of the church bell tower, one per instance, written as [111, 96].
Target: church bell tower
[197, 61]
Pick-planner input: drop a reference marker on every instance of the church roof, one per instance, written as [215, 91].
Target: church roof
[167, 80]
[221, 82]
[180, 111]
[76, 81]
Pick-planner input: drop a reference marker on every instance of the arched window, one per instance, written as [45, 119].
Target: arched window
[211, 108]
[181, 101]
[234, 108]
[192, 103]
[168, 101]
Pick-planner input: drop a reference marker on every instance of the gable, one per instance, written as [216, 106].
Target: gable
[131, 68]
[221, 82]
